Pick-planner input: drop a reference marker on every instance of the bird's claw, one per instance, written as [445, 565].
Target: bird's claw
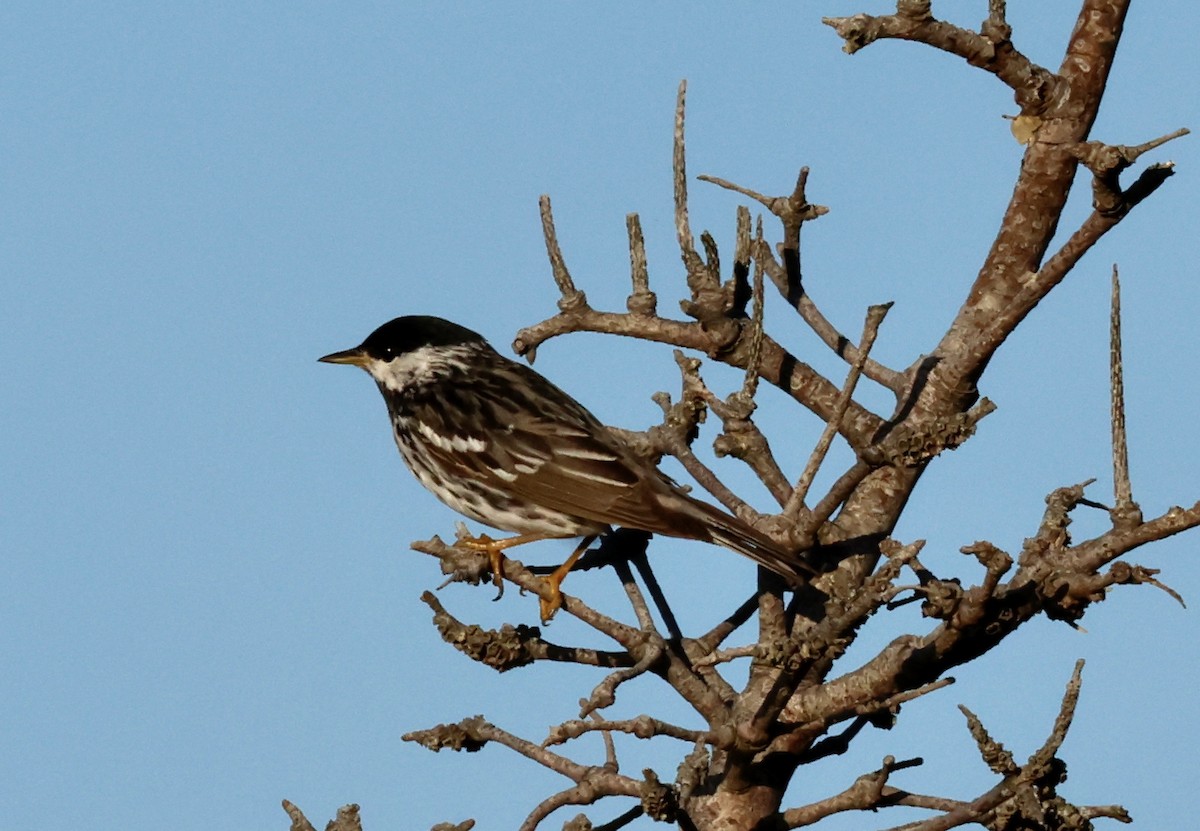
[550, 599]
[496, 561]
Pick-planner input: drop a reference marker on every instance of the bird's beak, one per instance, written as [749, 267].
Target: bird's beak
[355, 357]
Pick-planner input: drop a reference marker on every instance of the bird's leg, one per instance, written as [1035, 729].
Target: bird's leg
[494, 549]
[551, 599]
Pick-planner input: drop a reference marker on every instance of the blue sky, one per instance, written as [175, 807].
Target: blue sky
[209, 601]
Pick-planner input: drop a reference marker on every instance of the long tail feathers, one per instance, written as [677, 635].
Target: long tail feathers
[730, 532]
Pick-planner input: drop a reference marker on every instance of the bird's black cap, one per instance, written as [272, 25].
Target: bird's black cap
[403, 335]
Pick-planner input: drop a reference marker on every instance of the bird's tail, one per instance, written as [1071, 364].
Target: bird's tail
[729, 531]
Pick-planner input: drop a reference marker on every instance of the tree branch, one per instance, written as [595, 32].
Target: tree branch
[642, 727]
[991, 50]
[875, 316]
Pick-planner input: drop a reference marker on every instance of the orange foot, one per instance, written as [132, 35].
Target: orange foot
[494, 549]
[550, 598]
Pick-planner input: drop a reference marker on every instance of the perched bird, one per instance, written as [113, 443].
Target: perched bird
[500, 444]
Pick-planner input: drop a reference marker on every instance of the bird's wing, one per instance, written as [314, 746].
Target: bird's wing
[590, 474]
[532, 440]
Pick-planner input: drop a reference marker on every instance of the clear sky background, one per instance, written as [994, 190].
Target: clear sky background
[209, 604]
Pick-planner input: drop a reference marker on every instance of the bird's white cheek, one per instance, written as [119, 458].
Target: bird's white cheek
[397, 374]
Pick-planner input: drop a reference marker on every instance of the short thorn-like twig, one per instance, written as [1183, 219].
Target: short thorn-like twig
[572, 298]
[642, 301]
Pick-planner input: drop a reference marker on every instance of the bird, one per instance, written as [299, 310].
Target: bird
[502, 445]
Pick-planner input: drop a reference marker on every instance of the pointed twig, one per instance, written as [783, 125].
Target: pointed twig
[1146, 575]
[572, 298]
[1125, 511]
[793, 211]
[299, 821]
[683, 229]
[1107, 162]
[875, 316]
[642, 301]
[750, 384]
[1062, 722]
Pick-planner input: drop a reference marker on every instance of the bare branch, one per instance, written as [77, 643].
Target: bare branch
[1062, 722]
[473, 733]
[605, 693]
[750, 384]
[515, 572]
[587, 791]
[1107, 162]
[642, 301]
[643, 727]
[572, 299]
[299, 821]
[712, 639]
[1092, 554]
[742, 439]
[992, 751]
[794, 210]
[838, 494]
[1125, 511]
[777, 366]
[511, 647]
[1093, 228]
[1013, 278]
[640, 609]
[791, 210]
[864, 794]
[724, 656]
[875, 316]
[960, 813]
[683, 230]
[992, 50]
[616, 823]
[642, 564]
[677, 443]
[835, 745]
